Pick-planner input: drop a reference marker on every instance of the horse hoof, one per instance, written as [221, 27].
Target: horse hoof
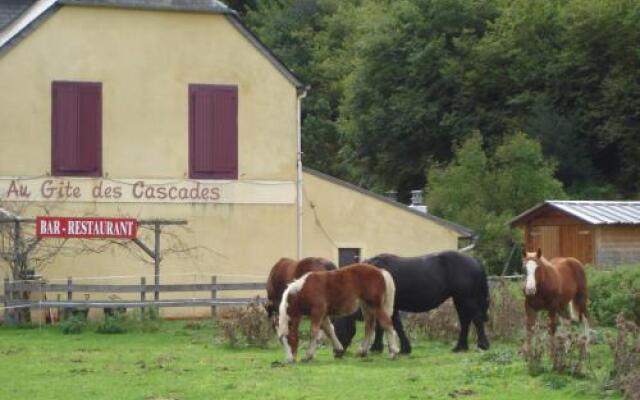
[362, 354]
[459, 349]
[405, 350]
[338, 353]
[376, 349]
[393, 356]
[483, 346]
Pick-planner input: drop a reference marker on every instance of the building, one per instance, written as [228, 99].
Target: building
[594, 232]
[173, 109]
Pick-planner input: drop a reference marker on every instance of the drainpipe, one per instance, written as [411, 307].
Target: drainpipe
[299, 200]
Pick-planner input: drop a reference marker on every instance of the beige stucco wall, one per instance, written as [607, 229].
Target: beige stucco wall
[145, 61]
[336, 216]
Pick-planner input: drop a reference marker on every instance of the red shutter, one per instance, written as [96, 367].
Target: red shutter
[213, 132]
[76, 129]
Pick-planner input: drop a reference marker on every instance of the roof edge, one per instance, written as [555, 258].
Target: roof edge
[464, 232]
[26, 22]
[265, 51]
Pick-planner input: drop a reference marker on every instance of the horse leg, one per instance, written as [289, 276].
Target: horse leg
[405, 345]
[290, 341]
[377, 341]
[483, 342]
[464, 317]
[369, 326]
[314, 337]
[392, 338]
[327, 327]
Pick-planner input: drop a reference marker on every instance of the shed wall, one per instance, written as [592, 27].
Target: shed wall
[617, 245]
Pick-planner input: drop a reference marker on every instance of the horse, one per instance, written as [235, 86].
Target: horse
[321, 295]
[425, 282]
[553, 285]
[285, 271]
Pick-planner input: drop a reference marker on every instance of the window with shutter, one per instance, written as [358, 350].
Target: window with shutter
[213, 132]
[76, 129]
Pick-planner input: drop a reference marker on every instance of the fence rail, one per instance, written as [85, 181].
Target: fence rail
[13, 299]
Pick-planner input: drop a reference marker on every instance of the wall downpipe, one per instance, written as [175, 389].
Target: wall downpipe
[299, 200]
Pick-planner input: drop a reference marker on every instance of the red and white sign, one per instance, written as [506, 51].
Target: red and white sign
[86, 228]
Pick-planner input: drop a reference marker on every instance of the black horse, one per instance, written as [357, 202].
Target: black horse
[422, 284]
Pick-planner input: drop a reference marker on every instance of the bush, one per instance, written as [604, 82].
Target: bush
[73, 325]
[626, 358]
[113, 324]
[567, 351]
[440, 323]
[249, 323]
[506, 313]
[612, 292]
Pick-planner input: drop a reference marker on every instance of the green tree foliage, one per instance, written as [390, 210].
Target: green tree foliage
[394, 83]
[310, 37]
[484, 191]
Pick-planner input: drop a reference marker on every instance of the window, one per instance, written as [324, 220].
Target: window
[213, 132]
[76, 129]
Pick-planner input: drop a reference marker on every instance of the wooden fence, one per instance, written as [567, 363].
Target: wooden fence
[12, 290]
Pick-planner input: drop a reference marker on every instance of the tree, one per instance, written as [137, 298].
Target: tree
[400, 97]
[485, 192]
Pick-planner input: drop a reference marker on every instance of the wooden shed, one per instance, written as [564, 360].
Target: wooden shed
[595, 232]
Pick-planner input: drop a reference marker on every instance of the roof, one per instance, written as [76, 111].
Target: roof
[591, 212]
[18, 18]
[11, 9]
[461, 230]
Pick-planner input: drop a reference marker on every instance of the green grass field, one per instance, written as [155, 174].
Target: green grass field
[179, 363]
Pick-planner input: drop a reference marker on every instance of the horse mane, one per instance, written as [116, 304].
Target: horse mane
[292, 288]
[545, 262]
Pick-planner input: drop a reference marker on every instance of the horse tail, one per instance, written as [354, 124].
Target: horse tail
[389, 293]
[283, 317]
[485, 299]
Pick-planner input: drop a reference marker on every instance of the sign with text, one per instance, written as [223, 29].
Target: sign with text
[106, 190]
[86, 228]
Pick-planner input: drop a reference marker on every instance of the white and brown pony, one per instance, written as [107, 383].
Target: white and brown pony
[286, 271]
[321, 295]
[553, 286]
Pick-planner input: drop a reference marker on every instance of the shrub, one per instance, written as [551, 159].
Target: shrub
[506, 314]
[146, 319]
[73, 325]
[440, 323]
[567, 350]
[626, 358]
[249, 323]
[113, 324]
[612, 292]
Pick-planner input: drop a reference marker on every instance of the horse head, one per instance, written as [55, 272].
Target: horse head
[530, 263]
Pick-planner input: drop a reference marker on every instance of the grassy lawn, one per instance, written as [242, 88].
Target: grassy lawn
[179, 363]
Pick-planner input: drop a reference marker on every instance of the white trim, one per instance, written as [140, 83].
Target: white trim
[27, 17]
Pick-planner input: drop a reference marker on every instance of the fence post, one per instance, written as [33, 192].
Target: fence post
[67, 310]
[214, 294]
[7, 297]
[143, 296]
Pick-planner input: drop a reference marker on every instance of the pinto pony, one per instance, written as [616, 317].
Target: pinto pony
[321, 295]
[552, 286]
[284, 272]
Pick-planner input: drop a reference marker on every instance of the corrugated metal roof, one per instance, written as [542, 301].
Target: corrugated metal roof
[594, 212]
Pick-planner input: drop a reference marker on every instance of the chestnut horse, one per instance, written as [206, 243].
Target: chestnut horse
[552, 286]
[321, 295]
[284, 272]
